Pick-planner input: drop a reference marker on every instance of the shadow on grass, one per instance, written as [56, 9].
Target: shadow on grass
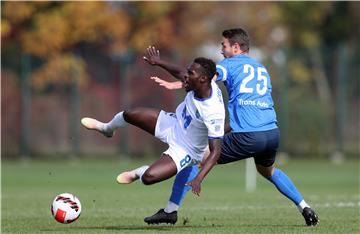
[161, 227]
[166, 227]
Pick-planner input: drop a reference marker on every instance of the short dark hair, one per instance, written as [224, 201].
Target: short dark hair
[209, 66]
[238, 35]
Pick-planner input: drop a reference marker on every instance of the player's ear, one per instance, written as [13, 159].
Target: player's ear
[236, 47]
[203, 79]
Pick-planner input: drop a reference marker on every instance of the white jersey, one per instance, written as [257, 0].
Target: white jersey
[199, 120]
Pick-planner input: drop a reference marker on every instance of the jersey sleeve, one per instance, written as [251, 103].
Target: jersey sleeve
[222, 70]
[215, 125]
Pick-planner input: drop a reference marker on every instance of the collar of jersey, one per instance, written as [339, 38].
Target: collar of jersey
[241, 56]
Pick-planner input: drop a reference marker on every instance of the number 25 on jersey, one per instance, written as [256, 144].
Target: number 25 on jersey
[260, 75]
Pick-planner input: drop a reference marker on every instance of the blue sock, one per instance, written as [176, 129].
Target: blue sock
[285, 186]
[179, 188]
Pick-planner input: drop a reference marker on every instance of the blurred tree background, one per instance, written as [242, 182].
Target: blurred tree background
[65, 60]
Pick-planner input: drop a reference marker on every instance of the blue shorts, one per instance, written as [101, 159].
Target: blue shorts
[260, 145]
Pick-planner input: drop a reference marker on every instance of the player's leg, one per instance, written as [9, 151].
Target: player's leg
[162, 169]
[265, 166]
[282, 183]
[144, 118]
[285, 186]
[179, 190]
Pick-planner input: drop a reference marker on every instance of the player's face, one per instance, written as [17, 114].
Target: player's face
[192, 78]
[226, 48]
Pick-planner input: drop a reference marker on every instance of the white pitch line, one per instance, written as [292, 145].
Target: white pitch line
[258, 207]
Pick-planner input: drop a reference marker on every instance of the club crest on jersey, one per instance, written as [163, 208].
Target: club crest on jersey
[217, 128]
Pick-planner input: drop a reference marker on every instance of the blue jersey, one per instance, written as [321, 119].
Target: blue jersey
[251, 107]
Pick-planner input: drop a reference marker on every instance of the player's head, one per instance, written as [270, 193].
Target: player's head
[200, 72]
[235, 41]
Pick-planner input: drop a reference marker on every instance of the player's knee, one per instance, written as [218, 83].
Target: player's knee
[132, 115]
[148, 178]
[265, 174]
[128, 115]
[265, 171]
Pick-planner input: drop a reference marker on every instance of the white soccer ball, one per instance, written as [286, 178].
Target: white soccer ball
[66, 208]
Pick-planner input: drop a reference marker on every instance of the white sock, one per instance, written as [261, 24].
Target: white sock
[140, 171]
[171, 207]
[117, 122]
[302, 205]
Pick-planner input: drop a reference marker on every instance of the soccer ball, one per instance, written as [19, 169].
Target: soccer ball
[66, 208]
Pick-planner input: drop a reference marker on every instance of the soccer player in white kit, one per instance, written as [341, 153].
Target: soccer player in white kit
[197, 123]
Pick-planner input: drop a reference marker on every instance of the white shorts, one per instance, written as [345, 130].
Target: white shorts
[164, 132]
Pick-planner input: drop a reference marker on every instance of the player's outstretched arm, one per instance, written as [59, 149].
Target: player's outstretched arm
[210, 161]
[166, 84]
[152, 56]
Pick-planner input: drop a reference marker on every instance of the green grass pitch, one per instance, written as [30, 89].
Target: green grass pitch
[223, 207]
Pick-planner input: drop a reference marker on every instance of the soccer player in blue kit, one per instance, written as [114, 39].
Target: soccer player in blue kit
[253, 130]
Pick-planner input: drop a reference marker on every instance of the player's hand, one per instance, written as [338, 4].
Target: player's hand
[195, 186]
[166, 84]
[152, 55]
